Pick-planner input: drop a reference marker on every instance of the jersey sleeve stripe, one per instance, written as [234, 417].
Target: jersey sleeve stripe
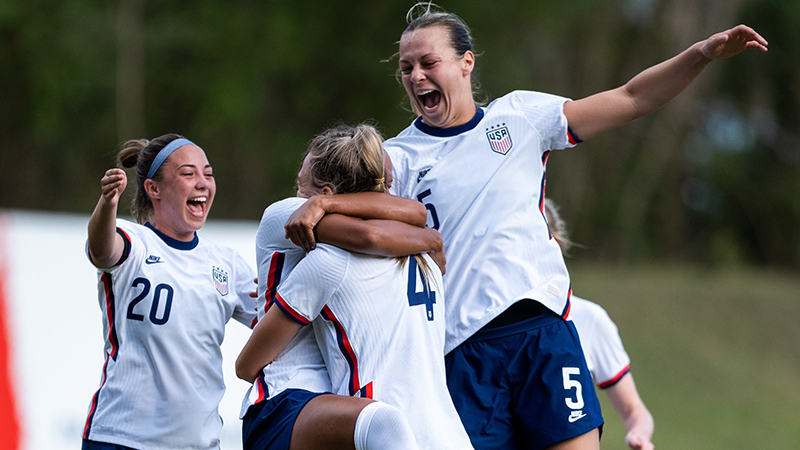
[568, 306]
[572, 137]
[345, 348]
[111, 314]
[366, 391]
[616, 378]
[294, 315]
[274, 277]
[126, 250]
[263, 389]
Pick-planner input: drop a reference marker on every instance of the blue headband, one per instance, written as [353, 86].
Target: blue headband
[164, 153]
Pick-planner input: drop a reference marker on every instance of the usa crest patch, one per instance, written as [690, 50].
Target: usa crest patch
[499, 138]
[220, 280]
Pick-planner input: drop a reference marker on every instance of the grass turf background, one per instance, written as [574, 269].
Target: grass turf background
[715, 353]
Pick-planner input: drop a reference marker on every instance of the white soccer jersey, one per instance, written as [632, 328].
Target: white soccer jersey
[381, 334]
[164, 313]
[300, 364]
[483, 183]
[606, 357]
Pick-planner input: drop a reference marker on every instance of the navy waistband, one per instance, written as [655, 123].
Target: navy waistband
[542, 319]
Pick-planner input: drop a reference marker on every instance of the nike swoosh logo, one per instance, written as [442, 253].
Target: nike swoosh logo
[152, 260]
[574, 418]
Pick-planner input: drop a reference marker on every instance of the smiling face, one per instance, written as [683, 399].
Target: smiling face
[183, 196]
[437, 80]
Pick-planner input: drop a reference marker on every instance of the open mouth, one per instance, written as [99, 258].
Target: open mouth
[197, 205]
[429, 99]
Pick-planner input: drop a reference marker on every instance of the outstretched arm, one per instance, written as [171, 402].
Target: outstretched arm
[652, 88]
[270, 336]
[635, 417]
[364, 205]
[105, 245]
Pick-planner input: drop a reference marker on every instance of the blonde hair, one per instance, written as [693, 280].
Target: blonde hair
[350, 159]
[557, 226]
[347, 160]
[140, 153]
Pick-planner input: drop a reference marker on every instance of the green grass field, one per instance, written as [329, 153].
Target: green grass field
[715, 354]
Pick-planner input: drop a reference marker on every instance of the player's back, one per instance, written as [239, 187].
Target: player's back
[382, 336]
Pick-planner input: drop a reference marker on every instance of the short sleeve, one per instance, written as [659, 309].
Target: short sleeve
[275, 254]
[271, 234]
[245, 308]
[611, 360]
[312, 283]
[134, 249]
[545, 113]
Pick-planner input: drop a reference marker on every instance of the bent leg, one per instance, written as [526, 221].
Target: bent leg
[327, 421]
[338, 422]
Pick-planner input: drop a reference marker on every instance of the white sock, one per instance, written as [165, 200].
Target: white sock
[383, 427]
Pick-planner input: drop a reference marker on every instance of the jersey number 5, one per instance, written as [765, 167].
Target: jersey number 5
[569, 383]
[157, 294]
[429, 207]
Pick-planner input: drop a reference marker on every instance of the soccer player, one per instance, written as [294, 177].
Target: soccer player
[606, 358]
[283, 410]
[480, 171]
[166, 295]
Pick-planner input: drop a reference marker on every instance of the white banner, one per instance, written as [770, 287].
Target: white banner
[55, 341]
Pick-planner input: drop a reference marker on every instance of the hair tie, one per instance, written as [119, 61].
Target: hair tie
[164, 153]
[379, 180]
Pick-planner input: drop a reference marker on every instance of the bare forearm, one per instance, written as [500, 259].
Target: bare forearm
[375, 205]
[377, 237]
[271, 335]
[104, 247]
[638, 420]
[657, 85]
[654, 87]
[643, 94]
[634, 414]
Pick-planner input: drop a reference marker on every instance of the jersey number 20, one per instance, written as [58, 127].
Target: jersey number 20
[159, 291]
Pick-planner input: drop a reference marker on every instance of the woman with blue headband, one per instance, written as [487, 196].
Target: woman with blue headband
[166, 295]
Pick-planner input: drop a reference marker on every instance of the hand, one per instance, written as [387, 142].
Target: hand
[439, 259]
[254, 294]
[112, 184]
[731, 42]
[638, 442]
[300, 226]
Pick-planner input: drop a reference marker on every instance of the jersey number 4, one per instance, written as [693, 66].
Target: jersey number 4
[426, 296]
[161, 290]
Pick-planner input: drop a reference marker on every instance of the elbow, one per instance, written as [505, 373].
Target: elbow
[373, 239]
[419, 215]
[244, 372]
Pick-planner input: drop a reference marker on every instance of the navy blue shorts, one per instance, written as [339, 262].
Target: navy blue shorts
[269, 424]
[94, 445]
[524, 385]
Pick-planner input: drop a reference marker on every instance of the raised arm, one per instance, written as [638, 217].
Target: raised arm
[364, 205]
[652, 88]
[635, 416]
[270, 336]
[105, 245]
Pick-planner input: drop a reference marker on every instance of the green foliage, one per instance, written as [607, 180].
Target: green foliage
[253, 82]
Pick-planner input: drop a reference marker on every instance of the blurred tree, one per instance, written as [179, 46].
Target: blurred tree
[713, 176]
